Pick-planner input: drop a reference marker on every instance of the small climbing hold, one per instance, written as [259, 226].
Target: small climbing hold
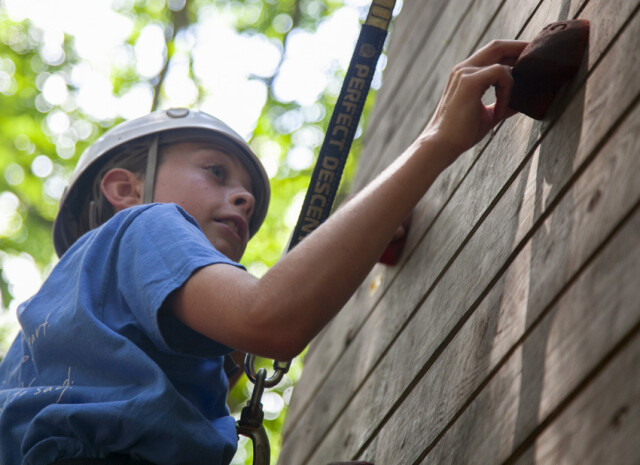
[393, 252]
[551, 59]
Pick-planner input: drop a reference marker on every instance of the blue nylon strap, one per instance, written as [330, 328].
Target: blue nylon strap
[329, 167]
[327, 173]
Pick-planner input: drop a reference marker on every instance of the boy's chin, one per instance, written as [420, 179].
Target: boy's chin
[232, 253]
[234, 256]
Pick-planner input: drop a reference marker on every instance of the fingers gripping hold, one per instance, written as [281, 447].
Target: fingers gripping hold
[462, 119]
[498, 51]
[499, 77]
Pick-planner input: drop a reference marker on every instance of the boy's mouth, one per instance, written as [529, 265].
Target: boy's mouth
[231, 225]
[237, 225]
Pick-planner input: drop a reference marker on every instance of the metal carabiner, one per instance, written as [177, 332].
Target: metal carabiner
[280, 369]
[250, 423]
[261, 449]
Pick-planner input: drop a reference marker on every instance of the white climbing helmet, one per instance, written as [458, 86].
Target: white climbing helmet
[75, 202]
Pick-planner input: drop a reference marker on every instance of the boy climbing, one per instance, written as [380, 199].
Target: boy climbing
[120, 357]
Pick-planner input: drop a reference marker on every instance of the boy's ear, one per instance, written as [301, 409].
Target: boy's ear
[122, 188]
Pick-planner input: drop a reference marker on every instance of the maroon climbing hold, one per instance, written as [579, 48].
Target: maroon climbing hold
[393, 252]
[546, 64]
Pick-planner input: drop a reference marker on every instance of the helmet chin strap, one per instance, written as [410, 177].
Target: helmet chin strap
[94, 214]
[150, 174]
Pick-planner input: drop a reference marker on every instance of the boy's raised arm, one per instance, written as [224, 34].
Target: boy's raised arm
[276, 316]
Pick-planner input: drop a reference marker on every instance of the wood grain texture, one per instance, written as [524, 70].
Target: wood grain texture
[425, 212]
[568, 346]
[602, 423]
[348, 322]
[498, 239]
[572, 233]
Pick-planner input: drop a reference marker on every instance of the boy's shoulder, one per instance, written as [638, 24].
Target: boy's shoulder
[156, 209]
[150, 238]
[139, 226]
[163, 215]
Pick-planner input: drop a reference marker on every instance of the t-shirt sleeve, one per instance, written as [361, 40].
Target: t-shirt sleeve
[160, 249]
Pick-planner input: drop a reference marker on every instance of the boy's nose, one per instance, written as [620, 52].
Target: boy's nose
[243, 199]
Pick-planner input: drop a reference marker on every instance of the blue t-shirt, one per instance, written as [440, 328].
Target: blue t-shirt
[98, 368]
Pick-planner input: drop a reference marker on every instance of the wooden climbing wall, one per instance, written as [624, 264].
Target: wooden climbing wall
[510, 331]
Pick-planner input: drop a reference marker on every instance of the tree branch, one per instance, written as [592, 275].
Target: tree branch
[179, 21]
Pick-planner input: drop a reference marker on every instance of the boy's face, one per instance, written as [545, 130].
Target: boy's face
[211, 186]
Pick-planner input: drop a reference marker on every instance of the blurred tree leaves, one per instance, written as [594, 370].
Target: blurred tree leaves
[43, 129]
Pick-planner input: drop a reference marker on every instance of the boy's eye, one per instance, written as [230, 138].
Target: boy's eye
[218, 171]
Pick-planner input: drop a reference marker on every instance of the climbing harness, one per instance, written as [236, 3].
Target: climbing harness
[321, 193]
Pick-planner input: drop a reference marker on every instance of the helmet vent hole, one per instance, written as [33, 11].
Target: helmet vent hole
[177, 112]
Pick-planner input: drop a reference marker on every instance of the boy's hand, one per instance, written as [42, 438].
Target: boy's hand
[461, 119]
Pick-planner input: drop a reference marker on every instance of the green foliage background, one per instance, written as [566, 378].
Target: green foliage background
[24, 136]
